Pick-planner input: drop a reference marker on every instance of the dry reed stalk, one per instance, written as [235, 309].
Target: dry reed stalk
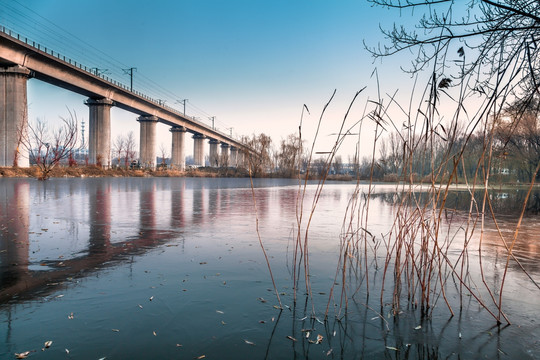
[304, 245]
[505, 243]
[302, 240]
[419, 243]
[298, 208]
[514, 240]
[260, 239]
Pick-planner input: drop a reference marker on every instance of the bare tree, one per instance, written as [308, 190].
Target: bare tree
[319, 167]
[495, 43]
[48, 149]
[478, 63]
[118, 148]
[338, 164]
[508, 28]
[260, 158]
[289, 155]
[164, 155]
[129, 148]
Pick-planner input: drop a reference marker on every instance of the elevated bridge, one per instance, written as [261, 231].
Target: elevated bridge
[22, 59]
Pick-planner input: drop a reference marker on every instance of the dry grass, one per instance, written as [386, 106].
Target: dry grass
[95, 171]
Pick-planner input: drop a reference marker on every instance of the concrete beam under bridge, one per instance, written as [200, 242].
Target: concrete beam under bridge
[147, 153]
[99, 131]
[13, 116]
[178, 160]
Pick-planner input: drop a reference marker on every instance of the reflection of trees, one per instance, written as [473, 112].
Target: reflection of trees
[503, 202]
[507, 206]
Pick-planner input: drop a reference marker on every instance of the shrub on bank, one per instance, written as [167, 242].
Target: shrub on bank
[97, 171]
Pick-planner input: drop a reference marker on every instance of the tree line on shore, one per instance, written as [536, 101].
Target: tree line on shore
[512, 137]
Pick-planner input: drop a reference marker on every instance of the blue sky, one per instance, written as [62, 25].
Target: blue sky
[252, 64]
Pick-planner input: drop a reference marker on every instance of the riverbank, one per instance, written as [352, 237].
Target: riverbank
[96, 171]
[210, 172]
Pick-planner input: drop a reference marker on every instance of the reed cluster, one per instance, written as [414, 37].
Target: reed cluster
[432, 249]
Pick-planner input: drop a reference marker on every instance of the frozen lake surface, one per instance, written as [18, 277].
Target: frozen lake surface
[172, 268]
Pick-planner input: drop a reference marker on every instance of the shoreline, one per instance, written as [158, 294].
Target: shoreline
[96, 171]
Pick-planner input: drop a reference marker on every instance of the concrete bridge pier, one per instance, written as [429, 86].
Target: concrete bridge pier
[99, 132]
[178, 160]
[13, 115]
[147, 153]
[224, 158]
[214, 156]
[233, 157]
[198, 149]
[240, 159]
[243, 159]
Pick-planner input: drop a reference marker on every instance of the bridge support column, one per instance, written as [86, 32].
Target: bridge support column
[233, 157]
[224, 158]
[243, 160]
[240, 159]
[147, 153]
[99, 132]
[198, 149]
[13, 116]
[214, 156]
[178, 160]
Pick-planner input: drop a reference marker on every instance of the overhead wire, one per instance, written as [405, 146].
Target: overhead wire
[51, 35]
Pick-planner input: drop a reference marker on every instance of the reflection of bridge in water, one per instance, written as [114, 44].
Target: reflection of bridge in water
[23, 276]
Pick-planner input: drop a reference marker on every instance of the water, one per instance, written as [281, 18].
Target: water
[146, 268]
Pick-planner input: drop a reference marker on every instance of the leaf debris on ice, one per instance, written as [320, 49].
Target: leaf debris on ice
[22, 355]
